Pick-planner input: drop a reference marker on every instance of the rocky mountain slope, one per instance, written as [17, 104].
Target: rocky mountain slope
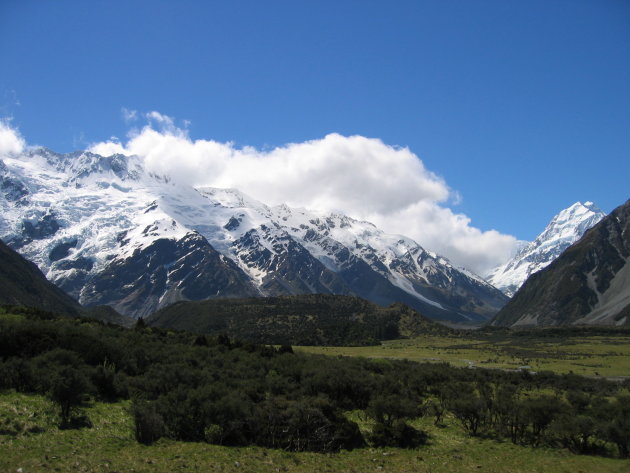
[108, 232]
[564, 229]
[588, 284]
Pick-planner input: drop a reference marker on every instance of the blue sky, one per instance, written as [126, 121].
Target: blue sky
[522, 108]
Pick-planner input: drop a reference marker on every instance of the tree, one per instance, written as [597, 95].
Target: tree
[470, 411]
[573, 431]
[398, 434]
[617, 429]
[541, 411]
[68, 389]
[149, 425]
[388, 408]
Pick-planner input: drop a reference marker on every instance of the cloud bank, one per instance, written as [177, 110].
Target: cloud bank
[361, 177]
[11, 142]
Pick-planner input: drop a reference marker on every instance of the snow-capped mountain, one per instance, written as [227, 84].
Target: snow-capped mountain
[588, 284]
[564, 229]
[108, 232]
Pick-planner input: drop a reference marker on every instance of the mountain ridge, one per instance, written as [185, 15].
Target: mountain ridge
[23, 284]
[84, 218]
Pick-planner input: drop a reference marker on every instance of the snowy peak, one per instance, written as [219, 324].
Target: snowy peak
[562, 231]
[570, 224]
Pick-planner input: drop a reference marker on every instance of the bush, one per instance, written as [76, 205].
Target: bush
[305, 425]
[68, 389]
[470, 412]
[398, 434]
[148, 424]
[17, 373]
[106, 381]
[386, 409]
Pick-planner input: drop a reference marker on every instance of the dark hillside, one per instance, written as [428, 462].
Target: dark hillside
[313, 319]
[22, 283]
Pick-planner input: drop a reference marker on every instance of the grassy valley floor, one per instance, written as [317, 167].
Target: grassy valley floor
[30, 442]
[592, 355]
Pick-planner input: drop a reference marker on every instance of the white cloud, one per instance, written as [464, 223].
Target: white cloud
[129, 115]
[363, 177]
[107, 148]
[447, 233]
[11, 142]
[164, 123]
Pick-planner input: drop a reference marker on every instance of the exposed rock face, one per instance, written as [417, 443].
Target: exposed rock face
[588, 284]
[164, 272]
[12, 188]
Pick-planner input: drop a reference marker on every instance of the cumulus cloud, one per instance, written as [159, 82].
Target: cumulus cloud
[362, 177]
[11, 142]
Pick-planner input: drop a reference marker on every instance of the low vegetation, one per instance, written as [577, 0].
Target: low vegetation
[593, 351]
[109, 446]
[79, 390]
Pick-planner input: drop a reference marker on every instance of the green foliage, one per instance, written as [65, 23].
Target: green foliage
[397, 434]
[311, 319]
[148, 424]
[470, 411]
[617, 430]
[68, 389]
[386, 409]
[227, 392]
[111, 446]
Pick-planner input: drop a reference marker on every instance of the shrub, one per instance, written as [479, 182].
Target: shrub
[470, 412]
[148, 424]
[68, 389]
[398, 434]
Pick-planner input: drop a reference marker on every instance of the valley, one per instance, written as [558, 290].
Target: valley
[146, 403]
[237, 336]
[304, 237]
[563, 351]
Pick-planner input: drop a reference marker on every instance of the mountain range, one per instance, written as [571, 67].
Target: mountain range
[108, 232]
[115, 237]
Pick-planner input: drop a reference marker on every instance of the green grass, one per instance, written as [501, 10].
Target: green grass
[10, 316]
[589, 356]
[109, 447]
